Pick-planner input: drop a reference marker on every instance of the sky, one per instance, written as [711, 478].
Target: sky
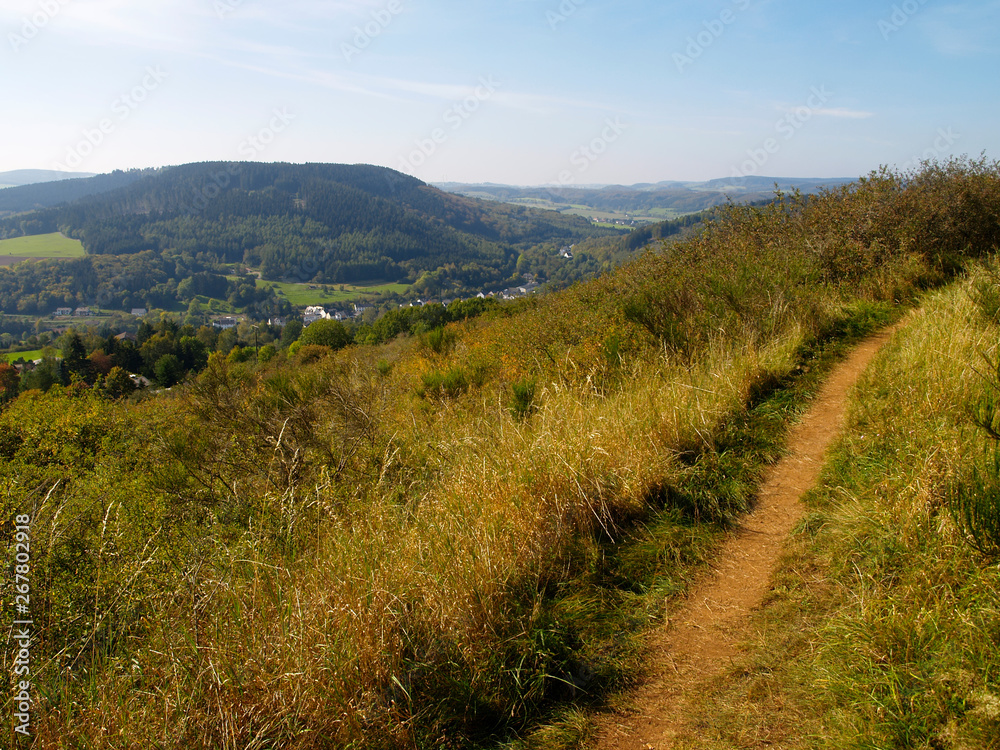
[524, 92]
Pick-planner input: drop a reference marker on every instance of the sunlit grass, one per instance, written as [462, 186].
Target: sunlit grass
[53, 245]
[881, 630]
[405, 546]
[320, 294]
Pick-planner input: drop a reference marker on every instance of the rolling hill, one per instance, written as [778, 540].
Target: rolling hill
[49, 190]
[646, 201]
[19, 177]
[316, 223]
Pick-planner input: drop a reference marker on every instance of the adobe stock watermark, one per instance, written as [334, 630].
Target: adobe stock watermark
[696, 45]
[589, 153]
[454, 117]
[22, 626]
[942, 146]
[122, 107]
[251, 148]
[900, 16]
[786, 127]
[31, 26]
[255, 144]
[364, 35]
[224, 7]
[566, 10]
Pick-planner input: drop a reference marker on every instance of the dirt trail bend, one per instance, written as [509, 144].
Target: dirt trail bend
[699, 640]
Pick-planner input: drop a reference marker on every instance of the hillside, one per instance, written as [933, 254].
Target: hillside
[35, 194]
[317, 223]
[18, 177]
[456, 537]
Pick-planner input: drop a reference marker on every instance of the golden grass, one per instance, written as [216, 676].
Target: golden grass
[881, 629]
[338, 554]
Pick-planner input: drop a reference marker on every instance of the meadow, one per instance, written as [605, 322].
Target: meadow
[13, 356]
[453, 539]
[314, 294]
[53, 245]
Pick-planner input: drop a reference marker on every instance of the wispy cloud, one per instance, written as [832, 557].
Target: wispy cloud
[850, 114]
[963, 29]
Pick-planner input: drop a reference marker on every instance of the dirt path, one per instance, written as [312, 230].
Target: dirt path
[699, 641]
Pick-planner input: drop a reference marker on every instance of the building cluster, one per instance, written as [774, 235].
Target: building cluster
[86, 312]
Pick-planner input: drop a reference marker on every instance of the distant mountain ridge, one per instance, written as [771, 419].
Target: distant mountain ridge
[19, 177]
[40, 194]
[676, 196]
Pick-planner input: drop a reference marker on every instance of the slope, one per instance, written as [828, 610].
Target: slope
[327, 223]
[701, 638]
[33, 194]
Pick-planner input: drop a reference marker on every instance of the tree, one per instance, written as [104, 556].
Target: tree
[118, 384]
[331, 333]
[75, 361]
[44, 376]
[168, 370]
[291, 332]
[10, 382]
[267, 353]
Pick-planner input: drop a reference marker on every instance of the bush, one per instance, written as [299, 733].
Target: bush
[524, 399]
[974, 501]
[330, 333]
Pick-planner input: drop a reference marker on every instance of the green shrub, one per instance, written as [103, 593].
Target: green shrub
[523, 403]
[975, 503]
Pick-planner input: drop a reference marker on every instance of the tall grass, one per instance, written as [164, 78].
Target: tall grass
[887, 617]
[386, 547]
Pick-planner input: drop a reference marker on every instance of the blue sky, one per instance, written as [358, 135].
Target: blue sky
[520, 91]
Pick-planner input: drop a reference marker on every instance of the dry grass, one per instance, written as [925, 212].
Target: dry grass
[376, 549]
[881, 630]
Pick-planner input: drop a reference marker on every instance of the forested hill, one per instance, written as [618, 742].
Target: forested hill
[329, 223]
[36, 195]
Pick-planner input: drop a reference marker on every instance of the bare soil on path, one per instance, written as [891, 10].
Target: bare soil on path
[701, 638]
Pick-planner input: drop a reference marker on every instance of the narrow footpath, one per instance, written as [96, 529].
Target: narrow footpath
[700, 640]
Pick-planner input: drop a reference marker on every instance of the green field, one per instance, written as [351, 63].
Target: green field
[53, 245]
[313, 294]
[649, 216]
[12, 357]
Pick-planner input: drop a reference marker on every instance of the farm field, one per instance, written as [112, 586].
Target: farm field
[53, 245]
[14, 356]
[647, 217]
[313, 294]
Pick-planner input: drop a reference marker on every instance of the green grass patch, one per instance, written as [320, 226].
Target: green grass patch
[319, 294]
[14, 356]
[53, 245]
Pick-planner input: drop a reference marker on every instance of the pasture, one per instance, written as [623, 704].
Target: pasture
[14, 356]
[54, 245]
[301, 295]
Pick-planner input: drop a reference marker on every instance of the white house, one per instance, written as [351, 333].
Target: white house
[226, 323]
[314, 313]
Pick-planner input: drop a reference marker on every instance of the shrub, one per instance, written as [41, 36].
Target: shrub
[331, 333]
[974, 501]
[523, 403]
